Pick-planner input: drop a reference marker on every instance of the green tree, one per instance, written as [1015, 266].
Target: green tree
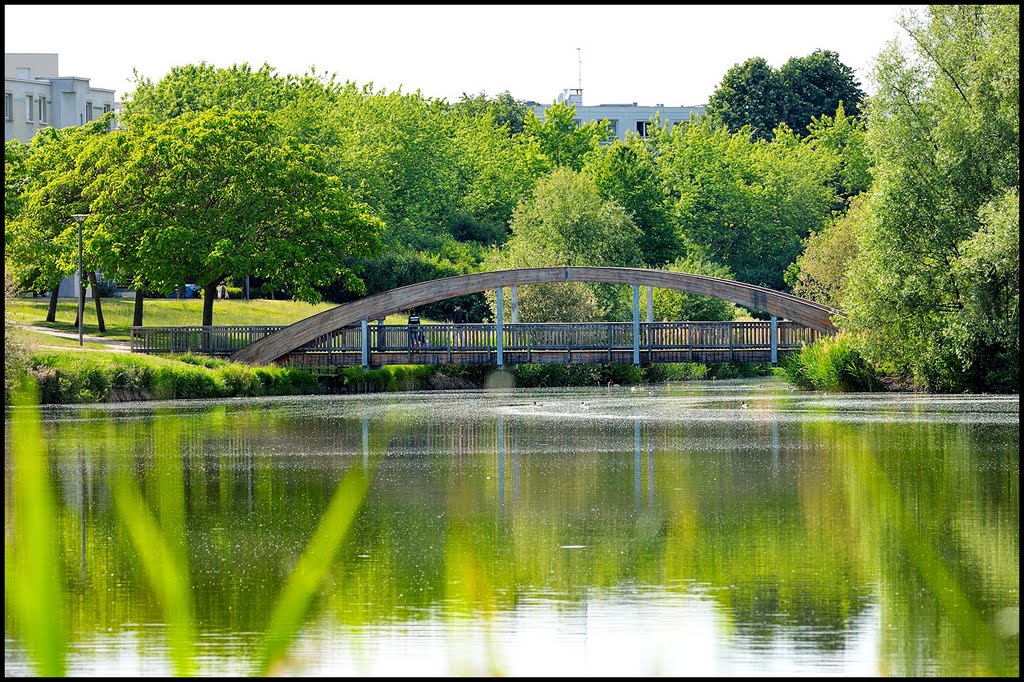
[563, 140]
[41, 239]
[750, 94]
[820, 272]
[815, 86]
[568, 223]
[934, 291]
[626, 173]
[846, 137]
[747, 203]
[505, 110]
[192, 88]
[222, 194]
[676, 305]
[756, 95]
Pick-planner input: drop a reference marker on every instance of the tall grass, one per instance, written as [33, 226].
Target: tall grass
[33, 575]
[32, 571]
[77, 377]
[831, 364]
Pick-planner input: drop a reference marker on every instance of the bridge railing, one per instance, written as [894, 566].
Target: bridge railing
[208, 340]
[426, 338]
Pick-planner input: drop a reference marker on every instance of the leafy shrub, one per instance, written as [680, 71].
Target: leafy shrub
[831, 364]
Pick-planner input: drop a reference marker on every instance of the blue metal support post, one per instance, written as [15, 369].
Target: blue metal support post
[365, 338]
[775, 340]
[636, 325]
[498, 329]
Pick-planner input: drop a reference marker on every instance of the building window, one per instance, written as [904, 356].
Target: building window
[106, 108]
[613, 126]
[9, 106]
[641, 128]
[88, 111]
[28, 109]
[42, 109]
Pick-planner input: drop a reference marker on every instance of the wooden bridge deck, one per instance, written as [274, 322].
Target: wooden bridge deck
[472, 344]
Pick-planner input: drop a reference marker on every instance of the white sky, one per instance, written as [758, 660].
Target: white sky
[650, 54]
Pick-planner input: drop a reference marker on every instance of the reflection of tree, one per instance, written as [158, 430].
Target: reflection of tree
[800, 537]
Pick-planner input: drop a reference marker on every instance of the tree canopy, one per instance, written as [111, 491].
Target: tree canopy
[220, 194]
[756, 95]
[934, 290]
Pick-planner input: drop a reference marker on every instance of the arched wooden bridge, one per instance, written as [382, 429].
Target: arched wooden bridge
[331, 337]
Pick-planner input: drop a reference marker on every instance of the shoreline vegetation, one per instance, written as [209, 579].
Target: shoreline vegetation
[75, 377]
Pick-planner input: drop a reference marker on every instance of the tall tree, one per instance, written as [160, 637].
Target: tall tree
[626, 173]
[747, 203]
[750, 94]
[222, 194]
[815, 86]
[934, 291]
[756, 95]
[41, 239]
[506, 111]
[563, 140]
[567, 222]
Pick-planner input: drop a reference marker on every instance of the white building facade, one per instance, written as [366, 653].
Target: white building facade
[622, 118]
[35, 97]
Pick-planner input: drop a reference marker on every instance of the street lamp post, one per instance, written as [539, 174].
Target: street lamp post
[80, 218]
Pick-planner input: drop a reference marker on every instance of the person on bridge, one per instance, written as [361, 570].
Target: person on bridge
[459, 317]
[414, 330]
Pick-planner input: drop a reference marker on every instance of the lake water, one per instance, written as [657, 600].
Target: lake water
[704, 528]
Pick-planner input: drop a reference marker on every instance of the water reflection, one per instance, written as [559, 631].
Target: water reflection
[737, 528]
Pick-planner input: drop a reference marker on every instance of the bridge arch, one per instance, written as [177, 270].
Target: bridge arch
[280, 343]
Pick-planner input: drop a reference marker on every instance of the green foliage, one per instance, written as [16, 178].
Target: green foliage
[387, 378]
[747, 204]
[193, 88]
[33, 576]
[568, 223]
[277, 216]
[817, 85]
[562, 139]
[15, 353]
[756, 95]
[504, 111]
[820, 272]
[77, 377]
[934, 290]
[830, 364]
[750, 94]
[626, 173]
[670, 304]
[846, 137]
[40, 237]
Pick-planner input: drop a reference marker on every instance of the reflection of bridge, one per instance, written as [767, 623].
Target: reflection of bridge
[332, 337]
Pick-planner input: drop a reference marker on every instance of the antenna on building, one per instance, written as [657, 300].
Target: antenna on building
[579, 60]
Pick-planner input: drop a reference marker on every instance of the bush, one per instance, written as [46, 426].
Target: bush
[831, 364]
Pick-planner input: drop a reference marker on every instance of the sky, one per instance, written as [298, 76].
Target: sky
[650, 54]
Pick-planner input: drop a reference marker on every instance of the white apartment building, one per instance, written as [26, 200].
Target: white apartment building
[622, 118]
[35, 97]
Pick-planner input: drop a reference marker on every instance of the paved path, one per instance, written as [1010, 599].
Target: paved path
[112, 344]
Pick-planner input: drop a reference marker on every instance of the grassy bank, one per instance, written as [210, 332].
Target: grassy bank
[75, 376]
[83, 377]
[164, 312]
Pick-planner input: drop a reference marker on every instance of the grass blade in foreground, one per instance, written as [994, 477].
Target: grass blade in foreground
[34, 574]
[165, 567]
[290, 610]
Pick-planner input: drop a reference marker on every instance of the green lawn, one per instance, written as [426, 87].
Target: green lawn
[34, 340]
[165, 312]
